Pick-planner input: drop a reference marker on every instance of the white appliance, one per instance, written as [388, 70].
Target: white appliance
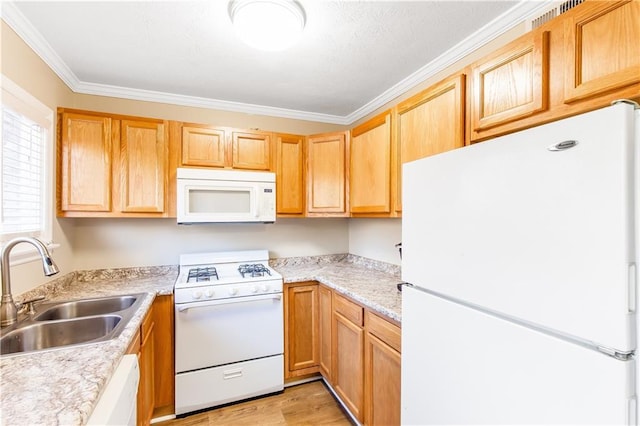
[210, 196]
[229, 329]
[522, 255]
[118, 402]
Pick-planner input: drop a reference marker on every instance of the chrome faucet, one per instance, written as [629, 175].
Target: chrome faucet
[8, 308]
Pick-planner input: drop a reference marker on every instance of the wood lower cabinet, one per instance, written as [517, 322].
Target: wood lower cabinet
[325, 307]
[382, 362]
[163, 361]
[146, 355]
[348, 355]
[327, 174]
[301, 329]
[370, 167]
[111, 166]
[290, 176]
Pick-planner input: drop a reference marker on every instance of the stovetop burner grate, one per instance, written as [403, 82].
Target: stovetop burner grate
[202, 274]
[253, 270]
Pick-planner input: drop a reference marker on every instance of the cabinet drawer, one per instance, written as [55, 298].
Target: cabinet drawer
[384, 330]
[348, 309]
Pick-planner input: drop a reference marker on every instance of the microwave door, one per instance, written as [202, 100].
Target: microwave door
[204, 202]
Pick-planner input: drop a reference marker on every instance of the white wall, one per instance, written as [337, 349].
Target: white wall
[375, 238]
[112, 243]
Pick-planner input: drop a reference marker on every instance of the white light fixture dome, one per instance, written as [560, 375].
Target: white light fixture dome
[267, 24]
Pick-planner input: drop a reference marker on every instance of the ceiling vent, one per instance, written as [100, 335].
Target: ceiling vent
[551, 12]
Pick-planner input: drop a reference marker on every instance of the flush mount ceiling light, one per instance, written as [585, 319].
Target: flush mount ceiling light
[267, 24]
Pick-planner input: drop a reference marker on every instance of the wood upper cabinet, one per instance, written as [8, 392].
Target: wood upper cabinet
[84, 163]
[251, 150]
[111, 166]
[429, 123]
[301, 329]
[290, 182]
[370, 166]
[382, 362]
[602, 50]
[327, 174]
[512, 82]
[143, 166]
[325, 308]
[203, 147]
[348, 354]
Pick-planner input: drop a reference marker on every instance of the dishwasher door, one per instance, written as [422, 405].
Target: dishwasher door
[117, 404]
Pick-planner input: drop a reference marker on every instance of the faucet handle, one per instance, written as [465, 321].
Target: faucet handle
[28, 305]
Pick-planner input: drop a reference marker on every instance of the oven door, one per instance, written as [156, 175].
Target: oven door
[217, 332]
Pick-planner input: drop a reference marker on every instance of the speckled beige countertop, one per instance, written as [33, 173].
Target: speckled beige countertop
[372, 283]
[61, 386]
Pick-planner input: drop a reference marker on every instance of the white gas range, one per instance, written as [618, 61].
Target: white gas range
[229, 329]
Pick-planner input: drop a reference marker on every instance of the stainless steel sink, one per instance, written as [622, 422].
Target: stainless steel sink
[86, 307]
[46, 335]
[70, 323]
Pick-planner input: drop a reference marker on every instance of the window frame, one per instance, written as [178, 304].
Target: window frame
[21, 101]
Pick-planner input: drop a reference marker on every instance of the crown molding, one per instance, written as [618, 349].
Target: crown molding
[514, 16]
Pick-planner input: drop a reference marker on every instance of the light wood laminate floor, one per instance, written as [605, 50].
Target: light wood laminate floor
[306, 404]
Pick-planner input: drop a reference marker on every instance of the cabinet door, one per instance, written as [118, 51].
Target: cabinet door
[203, 146]
[145, 358]
[324, 333]
[327, 174]
[163, 360]
[370, 166]
[429, 123]
[601, 48]
[251, 150]
[143, 166]
[511, 83]
[348, 365]
[301, 341]
[382, 362]
[290, 190]
[85, 168]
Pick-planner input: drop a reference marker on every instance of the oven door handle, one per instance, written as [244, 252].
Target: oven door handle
[230, 301]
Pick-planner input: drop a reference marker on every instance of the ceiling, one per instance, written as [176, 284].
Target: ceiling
[353, 57]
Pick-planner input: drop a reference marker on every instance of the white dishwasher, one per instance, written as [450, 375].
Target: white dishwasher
[117, 404]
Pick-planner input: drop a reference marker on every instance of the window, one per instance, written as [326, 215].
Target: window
[26, 169]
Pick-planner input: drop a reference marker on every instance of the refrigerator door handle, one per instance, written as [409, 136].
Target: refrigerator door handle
[620, 356]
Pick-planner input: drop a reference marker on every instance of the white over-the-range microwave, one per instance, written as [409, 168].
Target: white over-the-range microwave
[219, 196]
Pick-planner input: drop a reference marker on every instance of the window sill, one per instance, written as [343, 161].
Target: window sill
[28, 253]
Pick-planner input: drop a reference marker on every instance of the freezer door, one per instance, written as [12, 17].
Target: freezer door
[461, 366]
[541, 234]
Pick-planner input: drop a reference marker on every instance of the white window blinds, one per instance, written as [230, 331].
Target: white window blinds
[26, 164]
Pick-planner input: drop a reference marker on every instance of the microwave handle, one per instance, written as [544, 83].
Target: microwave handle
[256, 210]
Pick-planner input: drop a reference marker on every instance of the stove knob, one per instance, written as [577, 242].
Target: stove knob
[254, 289]
[266, 287]
[196, 294]
[233, 291]
[209, 293]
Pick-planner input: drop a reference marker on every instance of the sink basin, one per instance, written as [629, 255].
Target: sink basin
[46, 335]
[70, 323]
[87, 307]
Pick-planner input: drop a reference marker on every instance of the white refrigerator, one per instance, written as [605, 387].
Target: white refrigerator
[521, 253]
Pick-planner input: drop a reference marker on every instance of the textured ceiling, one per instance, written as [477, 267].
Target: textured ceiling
[350, 53]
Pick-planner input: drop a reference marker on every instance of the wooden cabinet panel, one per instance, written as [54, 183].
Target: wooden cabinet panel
[382, 382]
[143, 165]
[146, 360]
[386, 331]
[511, 83]
[301, 330]
[327, 175]
[429, 123]
[290, 189]
[251, 150]
[163, 360]
[352, 311]
[601, 48]
[370, 166]
[84, 164]
[325, 307]
[348, 363]
[203, 146]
